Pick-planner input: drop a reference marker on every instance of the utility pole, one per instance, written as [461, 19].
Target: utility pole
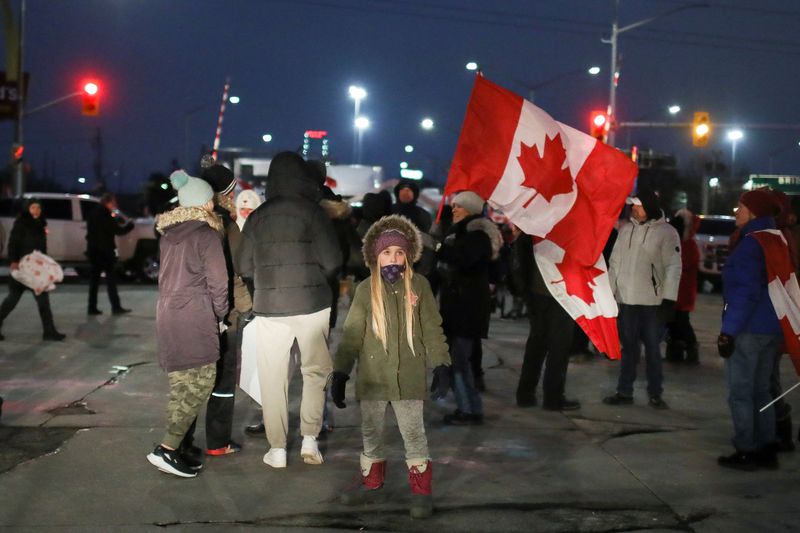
[614, 74]
[97, 145]
[19, 176]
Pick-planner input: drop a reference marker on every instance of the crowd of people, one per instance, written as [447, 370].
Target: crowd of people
[248, 290]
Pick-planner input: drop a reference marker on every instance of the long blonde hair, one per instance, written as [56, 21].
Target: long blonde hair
[379, 311]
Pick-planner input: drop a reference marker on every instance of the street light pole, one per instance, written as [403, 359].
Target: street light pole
[613, 41]
[19, 176]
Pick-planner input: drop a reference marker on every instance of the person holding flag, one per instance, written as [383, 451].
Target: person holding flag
[760, 294]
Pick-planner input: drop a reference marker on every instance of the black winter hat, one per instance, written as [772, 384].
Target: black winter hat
[218, 176]
[650, 202]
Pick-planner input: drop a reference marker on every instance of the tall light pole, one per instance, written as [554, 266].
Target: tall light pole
[613, 41]
[357, 94]
[733, 137]
[360, 123]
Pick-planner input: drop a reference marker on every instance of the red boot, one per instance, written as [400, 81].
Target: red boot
[372, 475]
[420, 478]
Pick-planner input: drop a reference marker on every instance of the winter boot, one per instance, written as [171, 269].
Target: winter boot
[420, 476]
[675, 351]
[373, 473]
[693, 354]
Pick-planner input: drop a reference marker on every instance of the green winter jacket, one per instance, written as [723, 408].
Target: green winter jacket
[396, 374]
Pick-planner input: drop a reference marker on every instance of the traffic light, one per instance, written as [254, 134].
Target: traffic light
[91, 104]
[599, 125]
[17, 151]
[701, 128]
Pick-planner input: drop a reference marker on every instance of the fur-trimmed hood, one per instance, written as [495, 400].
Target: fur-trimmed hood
[336, 209]
[179, 215]
[392, 223]
[490, 228]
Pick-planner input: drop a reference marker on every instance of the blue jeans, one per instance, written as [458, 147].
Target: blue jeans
[468, 399]
[640, 324]
[748, 372]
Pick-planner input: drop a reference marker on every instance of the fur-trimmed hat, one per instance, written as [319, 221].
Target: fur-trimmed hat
[392, 224]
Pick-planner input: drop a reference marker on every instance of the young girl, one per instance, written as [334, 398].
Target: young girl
[394, 331]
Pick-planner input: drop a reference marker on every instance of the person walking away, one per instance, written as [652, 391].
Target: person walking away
[644, 271]
[102, 227]
[549, 338]
[750, 336]
[28, 234]
[471, 243]
[192, 301]
[393, 331]
[288, 256]
[680, 333]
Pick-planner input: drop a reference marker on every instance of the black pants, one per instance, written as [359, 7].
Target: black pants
[680, 329]
[15, 290]
[98, 267]
[549, 339]
[219, 410]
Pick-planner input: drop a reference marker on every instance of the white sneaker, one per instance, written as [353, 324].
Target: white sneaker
[276, 457]
[310, 451]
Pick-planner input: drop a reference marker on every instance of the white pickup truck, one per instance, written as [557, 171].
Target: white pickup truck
[66, 233]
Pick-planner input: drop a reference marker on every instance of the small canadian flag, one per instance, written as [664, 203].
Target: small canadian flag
[555, 183]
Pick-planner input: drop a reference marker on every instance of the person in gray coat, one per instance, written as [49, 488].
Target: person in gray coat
[289, 254]
[192, 300]
[644, 271]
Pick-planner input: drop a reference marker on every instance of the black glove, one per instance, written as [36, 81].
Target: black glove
[667, 311]
[725, 345]
[441, 376]
[338, 384]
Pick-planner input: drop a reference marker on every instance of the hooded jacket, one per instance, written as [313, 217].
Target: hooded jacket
[192, 288]
[27, 234]
[464, 260]
[747, 305]
[101, 229]
[289, 251]
[645, 264]
[394, 373]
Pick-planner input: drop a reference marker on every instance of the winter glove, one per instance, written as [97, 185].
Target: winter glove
[725, 345]
[441, 376]
[667, 311]
[338, 384]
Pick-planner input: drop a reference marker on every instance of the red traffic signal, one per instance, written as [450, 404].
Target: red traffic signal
[91, 100]
[599, 125]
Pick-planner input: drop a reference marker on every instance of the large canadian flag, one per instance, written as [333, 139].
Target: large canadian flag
[555, 183]
[784, 292]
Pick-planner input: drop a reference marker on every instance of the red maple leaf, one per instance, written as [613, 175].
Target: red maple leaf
[545, 174]
[579, 279]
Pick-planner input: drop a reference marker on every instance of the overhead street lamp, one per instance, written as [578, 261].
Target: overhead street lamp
[408, 148]
[532, 88]
[427, 123]
[613, 41]
[674, 109]
[734, 136]
[266, 138]
[357, 94]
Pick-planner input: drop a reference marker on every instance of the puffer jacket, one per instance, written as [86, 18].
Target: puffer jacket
[395, 373]
[27, 234]
[289, 251]
[747, 305]
[645, 264]
[192, 288]
[464, 260]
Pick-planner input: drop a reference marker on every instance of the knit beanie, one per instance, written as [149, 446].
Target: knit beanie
[760, 202]
[192, 192]
[391, 237]
[218, 176]
[469, 201]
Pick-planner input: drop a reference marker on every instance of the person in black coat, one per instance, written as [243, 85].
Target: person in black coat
[471, 243]
[102, 226]
[28, 234]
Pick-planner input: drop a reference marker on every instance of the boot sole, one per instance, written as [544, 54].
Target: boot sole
[311, 457]
[159, 463]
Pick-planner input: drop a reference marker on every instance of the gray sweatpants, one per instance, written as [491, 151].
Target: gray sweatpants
[410, 422]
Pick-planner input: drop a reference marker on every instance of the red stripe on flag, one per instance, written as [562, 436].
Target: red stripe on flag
[603, 333]
[485, 142]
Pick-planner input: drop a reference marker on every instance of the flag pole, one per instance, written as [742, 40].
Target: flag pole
[779, 397]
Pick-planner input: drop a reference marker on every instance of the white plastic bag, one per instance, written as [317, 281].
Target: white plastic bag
[38, 272]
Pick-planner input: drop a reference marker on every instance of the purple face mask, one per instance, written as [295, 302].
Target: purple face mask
[392, 273]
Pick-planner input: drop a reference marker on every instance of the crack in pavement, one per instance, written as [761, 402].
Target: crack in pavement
[548, 516]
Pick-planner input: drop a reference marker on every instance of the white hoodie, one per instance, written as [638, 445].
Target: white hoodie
[247, 199]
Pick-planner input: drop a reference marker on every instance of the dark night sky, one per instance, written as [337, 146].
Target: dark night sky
[291, 63]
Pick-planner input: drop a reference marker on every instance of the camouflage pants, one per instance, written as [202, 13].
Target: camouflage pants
[188, 392]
